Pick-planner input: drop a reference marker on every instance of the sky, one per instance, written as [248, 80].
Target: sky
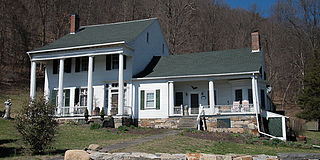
[263, 5]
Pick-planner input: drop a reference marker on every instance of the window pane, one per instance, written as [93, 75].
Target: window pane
[84, 63]
[115, 61]
[150, 100]
[150, 104]
[250, 96]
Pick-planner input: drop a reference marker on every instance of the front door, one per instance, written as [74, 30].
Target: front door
[114, 104]
[194, 103]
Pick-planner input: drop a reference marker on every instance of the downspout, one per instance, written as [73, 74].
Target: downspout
[256, 100]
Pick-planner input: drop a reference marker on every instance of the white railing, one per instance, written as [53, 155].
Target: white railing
[201, 110]
[235, 109]
[79, 110]
[127, 110]
[178, 110]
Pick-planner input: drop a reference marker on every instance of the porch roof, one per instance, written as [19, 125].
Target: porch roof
[215, 62]
[100, 34]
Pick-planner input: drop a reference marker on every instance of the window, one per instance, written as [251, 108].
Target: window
[149, 100]
[179, 99]
[112, 62]
[238, 95]
[223, 123]
[250, 98]
[83, 97]
[263, 100]
[82, 64]
[67, 65]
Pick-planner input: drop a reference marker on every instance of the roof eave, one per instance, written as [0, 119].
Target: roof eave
[197, 76]
[80, 47]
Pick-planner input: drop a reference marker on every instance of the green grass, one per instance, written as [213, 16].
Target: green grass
[68, 137]
[183, 144]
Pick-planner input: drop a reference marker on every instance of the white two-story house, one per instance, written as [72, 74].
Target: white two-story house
[126, 68]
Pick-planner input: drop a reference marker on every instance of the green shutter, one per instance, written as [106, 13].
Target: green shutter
[53, 97]
[76, 96]
[108, 62]
[124, 62]
[67, 98]
[158, 99]
[142, 100]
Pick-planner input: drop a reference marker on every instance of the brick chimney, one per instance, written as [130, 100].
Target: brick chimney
[255, 41]
[74, 24]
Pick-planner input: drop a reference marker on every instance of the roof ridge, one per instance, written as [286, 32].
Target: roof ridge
[209, 51]
[139, 20]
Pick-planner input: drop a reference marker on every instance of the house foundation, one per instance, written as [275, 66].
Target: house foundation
[229, 123]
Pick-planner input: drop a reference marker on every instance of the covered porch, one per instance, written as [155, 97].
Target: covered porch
[214, 97]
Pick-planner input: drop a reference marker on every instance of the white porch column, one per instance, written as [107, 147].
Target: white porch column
[46, 85]
[171, 98]
[33, 80]
[211, 95]
[60, 91]
[120, 82]
[90, 94]
[255, 97]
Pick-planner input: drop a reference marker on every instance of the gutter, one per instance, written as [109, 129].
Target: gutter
[194, 76]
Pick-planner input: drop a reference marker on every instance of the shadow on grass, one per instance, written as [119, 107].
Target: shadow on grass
[19, 151]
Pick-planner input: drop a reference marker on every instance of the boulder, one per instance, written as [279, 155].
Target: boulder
[94, 147]
[76, 155]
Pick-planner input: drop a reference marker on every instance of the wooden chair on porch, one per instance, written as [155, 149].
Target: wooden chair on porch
[245, 106]
[236, 106]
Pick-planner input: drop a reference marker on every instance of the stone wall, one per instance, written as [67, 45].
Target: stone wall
[159, 123]
[238, 123]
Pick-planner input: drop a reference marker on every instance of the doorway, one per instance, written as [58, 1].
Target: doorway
[194, 103]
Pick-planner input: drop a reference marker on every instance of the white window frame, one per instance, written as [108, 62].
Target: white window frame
[154, 99]
[85, 95]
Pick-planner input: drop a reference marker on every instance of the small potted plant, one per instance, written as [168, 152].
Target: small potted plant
[86, 115]
[102, 114]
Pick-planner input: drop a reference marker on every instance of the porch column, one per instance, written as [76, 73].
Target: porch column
[120, 83]
[171, 98]
[33, 80]
[46, 85]
[211, 95]
[255, 98]
[90, 94]
[60, 91]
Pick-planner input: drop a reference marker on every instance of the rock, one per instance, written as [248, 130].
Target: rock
[243, 158]
[94, 147]
[194, 156]
[76, 155]
[208, 157]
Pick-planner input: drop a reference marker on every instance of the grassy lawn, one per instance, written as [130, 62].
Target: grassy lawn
[183, 144]
[69, 137]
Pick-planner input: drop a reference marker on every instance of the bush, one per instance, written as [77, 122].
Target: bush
[277, 142]
[123, 129]
[95, 126]
[35, 122]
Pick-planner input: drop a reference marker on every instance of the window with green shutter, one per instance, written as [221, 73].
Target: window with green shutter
[53, 97]
[142, 99]
[158, 99]
[67, 98]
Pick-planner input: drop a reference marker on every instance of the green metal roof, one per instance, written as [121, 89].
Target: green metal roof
[99, 34]
[216, 62]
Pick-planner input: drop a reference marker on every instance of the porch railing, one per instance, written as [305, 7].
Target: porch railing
[178, 110]
[235, 109]
[79, 110]
[127, 110]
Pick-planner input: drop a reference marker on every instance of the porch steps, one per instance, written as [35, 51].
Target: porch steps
[188, 122]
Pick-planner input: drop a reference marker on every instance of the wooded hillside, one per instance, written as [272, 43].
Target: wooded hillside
[288, 36]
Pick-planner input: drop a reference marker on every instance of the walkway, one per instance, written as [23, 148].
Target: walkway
[126, 144]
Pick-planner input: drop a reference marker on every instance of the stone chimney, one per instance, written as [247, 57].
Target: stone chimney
[74, 24]
[255, 41]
